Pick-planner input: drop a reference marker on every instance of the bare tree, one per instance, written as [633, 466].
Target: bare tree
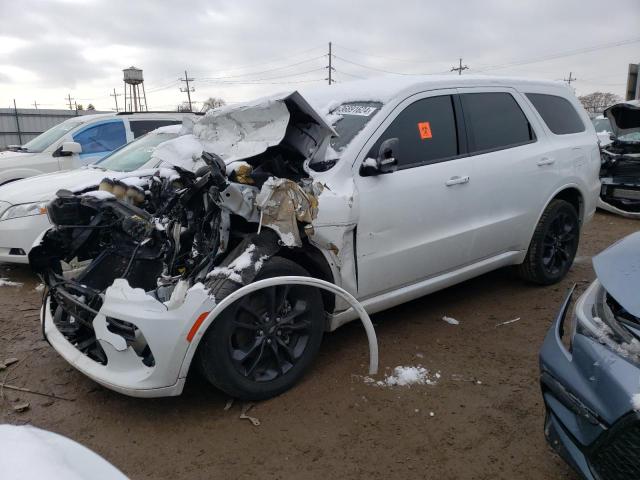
[596, 102]
[212, 102]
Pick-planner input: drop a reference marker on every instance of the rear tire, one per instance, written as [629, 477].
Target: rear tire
[262, 344]
[553, 246]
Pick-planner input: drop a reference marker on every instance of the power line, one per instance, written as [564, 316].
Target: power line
[284, 67]
[395, 59]
[115, 98]
[257, 80]
[566, 53]
[372, 68]
[287, 57]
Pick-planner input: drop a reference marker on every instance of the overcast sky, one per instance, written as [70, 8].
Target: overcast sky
[241, 49]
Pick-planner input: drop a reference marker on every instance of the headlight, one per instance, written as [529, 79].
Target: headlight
[24, 210]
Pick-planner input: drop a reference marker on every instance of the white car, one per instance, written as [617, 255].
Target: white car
[78, 141]
[23, 204]
[388, 189]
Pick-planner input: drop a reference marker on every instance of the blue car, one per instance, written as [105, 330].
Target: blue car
[590, 370]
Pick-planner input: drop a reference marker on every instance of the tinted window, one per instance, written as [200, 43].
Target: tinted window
[140, 127]
[494, 121]
[102, 138]
[557, 113]
[426, 130]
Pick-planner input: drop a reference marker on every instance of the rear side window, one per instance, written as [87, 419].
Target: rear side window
[494, 121]
[557, 113]
[426, 131]
[104, 137]
[140, 127]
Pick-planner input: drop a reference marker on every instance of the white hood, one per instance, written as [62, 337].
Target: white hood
[9, 158]
[44, 187]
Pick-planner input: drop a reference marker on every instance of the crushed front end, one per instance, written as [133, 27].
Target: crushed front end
[620, 171]
[590, 371]
[129, 264]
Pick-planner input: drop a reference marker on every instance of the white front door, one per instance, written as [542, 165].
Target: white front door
[413, 223]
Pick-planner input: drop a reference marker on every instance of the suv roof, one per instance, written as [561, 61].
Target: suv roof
[384, 88]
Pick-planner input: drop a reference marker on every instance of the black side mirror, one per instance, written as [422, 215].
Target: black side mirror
[385, 162]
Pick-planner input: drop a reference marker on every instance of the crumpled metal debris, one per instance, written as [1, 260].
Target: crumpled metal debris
[282, 204]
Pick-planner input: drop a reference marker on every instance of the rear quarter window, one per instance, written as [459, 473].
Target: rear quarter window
[557, 113]
[495, 121]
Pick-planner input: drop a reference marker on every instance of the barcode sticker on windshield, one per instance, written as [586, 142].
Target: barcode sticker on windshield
[360, 110]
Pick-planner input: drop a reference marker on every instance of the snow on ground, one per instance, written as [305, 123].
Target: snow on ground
[404, 376]
[635, 401]
[5, 282]
[39, 287]
[450, 321]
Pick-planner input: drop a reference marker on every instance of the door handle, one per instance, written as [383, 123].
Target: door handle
[546, 161]
[457, 180]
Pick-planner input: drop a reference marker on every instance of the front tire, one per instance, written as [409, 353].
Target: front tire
[262, 344]
[553, 246]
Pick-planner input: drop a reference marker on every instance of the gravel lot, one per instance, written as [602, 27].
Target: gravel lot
[482, 419]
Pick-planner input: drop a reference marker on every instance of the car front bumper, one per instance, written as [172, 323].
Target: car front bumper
[588, 393]
[164, 329]
[620, 196]
[18, 235]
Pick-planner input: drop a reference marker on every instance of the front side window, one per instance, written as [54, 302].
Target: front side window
[494, 121]
[140, 127]
[557, 113]
[104, 137]
[426, 131]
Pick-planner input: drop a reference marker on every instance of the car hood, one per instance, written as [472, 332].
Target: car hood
[8, 157]
[618, 270]
[624, 118]
[44, 187]
[240, 131]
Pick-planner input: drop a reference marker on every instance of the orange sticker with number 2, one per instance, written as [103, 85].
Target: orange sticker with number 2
[425, 130]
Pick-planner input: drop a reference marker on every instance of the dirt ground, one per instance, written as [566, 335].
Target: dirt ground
[482, 420]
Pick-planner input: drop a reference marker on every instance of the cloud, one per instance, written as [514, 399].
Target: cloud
[82, 46]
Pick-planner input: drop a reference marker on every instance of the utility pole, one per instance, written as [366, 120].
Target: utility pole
[331, 69]
[69, 100]
[15, 111]
[569, 80]
[186, 79]
[459, 68]
[35, 104]
[115, 97]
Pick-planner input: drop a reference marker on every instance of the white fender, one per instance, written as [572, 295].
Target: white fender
[295, 280]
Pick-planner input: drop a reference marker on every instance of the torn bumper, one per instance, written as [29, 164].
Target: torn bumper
[587, 392]
[164, 330]
[620, 196]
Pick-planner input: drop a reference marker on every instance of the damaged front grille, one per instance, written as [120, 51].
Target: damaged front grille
[73, 316]
[615, 456]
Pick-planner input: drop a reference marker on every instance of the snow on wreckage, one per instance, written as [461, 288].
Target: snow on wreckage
[232, 202]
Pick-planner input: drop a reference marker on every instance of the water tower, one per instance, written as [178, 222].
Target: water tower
[133, 79]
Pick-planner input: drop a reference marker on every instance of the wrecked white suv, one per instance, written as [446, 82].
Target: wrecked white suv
[388, 189]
